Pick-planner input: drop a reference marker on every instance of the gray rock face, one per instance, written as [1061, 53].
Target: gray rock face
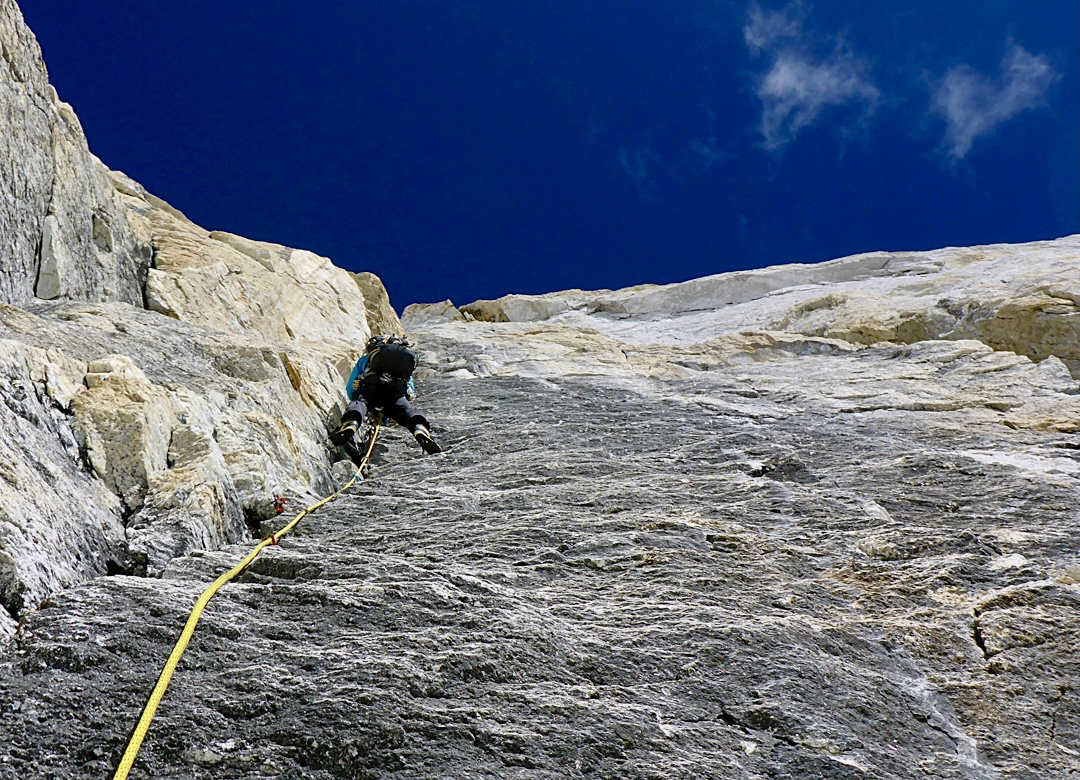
[58, 525]
[133, 436]
[121, 467]
[754, 571]
[804, 522]
[65, 231]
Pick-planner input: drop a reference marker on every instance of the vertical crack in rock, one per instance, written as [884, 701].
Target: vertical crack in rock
[934, 709]
[977, 636]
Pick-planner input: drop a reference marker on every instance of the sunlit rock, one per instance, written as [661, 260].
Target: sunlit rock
[58, 524]
[417, 315]
[381, 316]
[805, 522]
[1021, 298]
[249, 288]
[175, 432]
[65, 232]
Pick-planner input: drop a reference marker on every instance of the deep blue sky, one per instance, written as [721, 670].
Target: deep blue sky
[472, 148]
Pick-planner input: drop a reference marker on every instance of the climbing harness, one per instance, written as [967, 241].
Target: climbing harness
[156, 695]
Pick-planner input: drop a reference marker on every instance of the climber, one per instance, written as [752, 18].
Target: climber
[382, 381]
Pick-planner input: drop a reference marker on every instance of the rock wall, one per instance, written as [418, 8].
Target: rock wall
[65, 230]
[763, 555]
[58, 525]
[162, 382]
[380, 314]
[184, 434]
[805, 522]
[1024, 299]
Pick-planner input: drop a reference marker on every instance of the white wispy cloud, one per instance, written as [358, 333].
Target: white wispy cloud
[764, 29]
[973, 104]
[799, 85]
[796, 91]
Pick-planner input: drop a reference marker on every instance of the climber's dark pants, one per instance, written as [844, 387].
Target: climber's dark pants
[392, 403]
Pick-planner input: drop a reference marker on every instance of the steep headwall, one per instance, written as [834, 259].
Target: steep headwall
[803, 522]
[66, 233]
[161, 382]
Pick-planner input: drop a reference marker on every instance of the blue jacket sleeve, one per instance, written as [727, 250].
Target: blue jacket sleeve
[354, 378]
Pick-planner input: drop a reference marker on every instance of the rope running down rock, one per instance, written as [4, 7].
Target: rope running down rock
[156, 695]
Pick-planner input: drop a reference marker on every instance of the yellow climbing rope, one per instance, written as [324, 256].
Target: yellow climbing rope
[185, 636]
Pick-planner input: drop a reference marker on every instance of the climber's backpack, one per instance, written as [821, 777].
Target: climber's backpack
[392, 357]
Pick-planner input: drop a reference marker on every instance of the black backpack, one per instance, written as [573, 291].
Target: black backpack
[392, 357]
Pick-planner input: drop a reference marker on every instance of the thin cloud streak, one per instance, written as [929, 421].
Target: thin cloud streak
[796, 91]
[764, 30]
[973, 105]
[798, 86]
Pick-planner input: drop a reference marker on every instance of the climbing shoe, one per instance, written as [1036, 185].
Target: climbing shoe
[345, 433]
[423, 436]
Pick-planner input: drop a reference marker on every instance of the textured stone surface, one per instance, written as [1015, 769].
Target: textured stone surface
[124, 422]
[804, 522]
[381, 316]
[419, 315]
[1024, 298]
[250, 288]
[58, 525]
[760, 557]
[26, 136]
[191, 429]
[193, 425]
[763, 554]
[65, 230]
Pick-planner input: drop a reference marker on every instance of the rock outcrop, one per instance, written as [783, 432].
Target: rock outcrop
[381, 317]
[66, 234]
[1025, 299]
[162, 382]
[765, 555]
[803, 522]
